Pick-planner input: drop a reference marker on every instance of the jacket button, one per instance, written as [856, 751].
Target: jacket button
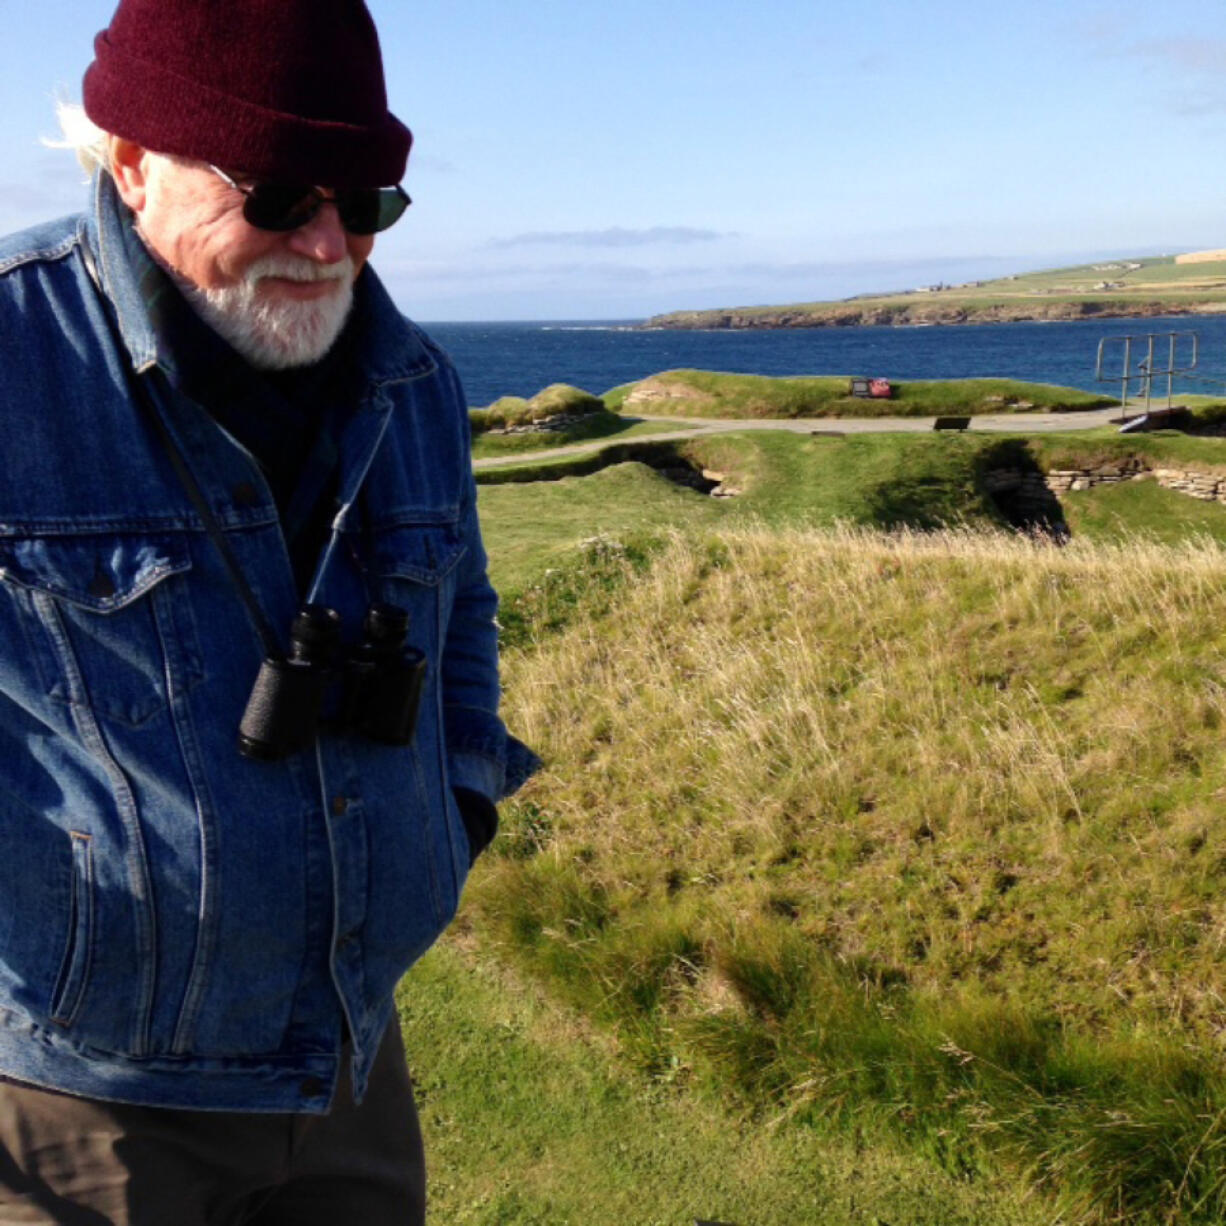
[340, 806]
[312, 1087]
[245, 494]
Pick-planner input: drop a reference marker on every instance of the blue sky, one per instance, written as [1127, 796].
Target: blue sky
[576, 160]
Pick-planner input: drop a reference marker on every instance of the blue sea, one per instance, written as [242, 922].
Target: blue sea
[518, 359]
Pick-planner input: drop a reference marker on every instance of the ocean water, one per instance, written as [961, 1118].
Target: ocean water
[518, 359]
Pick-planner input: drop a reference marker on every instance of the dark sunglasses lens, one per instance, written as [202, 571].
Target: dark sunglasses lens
[369, 210]
[280, 206]
[284, 206]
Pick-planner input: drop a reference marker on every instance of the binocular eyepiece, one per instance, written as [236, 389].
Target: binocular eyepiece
[373, 689]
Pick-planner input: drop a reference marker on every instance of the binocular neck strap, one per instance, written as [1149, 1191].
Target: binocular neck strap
[342, 516]
[268, 637]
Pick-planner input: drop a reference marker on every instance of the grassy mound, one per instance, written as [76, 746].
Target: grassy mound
[698, 393]
[896, 836]
[557, 398]
[588, 418]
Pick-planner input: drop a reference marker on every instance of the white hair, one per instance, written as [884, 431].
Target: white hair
[82, 136]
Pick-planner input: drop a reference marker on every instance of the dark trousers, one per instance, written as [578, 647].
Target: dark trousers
[81, 1162]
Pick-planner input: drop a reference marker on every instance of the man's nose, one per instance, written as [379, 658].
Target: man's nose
[323, 238]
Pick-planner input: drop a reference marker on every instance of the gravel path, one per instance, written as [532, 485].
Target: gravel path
[998, 423]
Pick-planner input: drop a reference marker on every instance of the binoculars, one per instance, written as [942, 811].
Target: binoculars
[372, 689]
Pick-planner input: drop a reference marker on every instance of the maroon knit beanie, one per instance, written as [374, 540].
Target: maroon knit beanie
[282, 89]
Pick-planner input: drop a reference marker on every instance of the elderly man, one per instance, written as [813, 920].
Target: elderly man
[248, 673]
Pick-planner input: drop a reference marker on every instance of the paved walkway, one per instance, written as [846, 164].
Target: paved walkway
[988, 423]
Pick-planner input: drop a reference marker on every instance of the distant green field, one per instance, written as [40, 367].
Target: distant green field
[1150, 272]
[1111, 287]
[1144, 275]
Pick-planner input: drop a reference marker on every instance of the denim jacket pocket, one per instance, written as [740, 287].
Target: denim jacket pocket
[114, 627]
[416, 566]
[78, 949]
[423, 554]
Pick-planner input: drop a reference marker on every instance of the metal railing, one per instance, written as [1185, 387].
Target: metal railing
[1154, 364]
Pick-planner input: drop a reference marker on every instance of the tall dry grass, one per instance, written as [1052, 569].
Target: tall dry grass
[922, 828]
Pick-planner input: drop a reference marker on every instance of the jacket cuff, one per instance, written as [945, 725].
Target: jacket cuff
[476, 772]
[480, 817]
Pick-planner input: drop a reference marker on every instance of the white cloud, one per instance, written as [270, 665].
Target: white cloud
[614, 236]
[1193, 69]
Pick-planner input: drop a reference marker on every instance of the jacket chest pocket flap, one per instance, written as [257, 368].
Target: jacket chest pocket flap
[424, 554]
[415, 565]
[112, 629]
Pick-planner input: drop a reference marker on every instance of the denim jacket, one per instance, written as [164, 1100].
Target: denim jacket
[180, 925]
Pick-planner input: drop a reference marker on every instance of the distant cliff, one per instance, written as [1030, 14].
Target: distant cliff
[1137, 287]
[915, 311]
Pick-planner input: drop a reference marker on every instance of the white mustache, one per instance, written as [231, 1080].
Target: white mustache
[294, 268]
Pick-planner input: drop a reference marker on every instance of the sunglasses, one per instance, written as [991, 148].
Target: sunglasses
[286, 206]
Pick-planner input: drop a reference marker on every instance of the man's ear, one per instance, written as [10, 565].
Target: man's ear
[129, 168]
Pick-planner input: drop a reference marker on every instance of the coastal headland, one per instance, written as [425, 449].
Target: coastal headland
[1111, 289]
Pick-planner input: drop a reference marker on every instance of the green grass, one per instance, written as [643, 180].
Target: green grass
[1143, 509]
[534, 515]
[1156, 272]
[595, 426]
[906, 839]
[697, 393]
[1160, 447]
[533, 1118]
[615, 396]
[599, 424]
[549, 401]
[882, 480]
[882, 848]
[532, 528]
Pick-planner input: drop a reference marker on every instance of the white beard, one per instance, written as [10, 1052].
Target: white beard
[277, 333]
